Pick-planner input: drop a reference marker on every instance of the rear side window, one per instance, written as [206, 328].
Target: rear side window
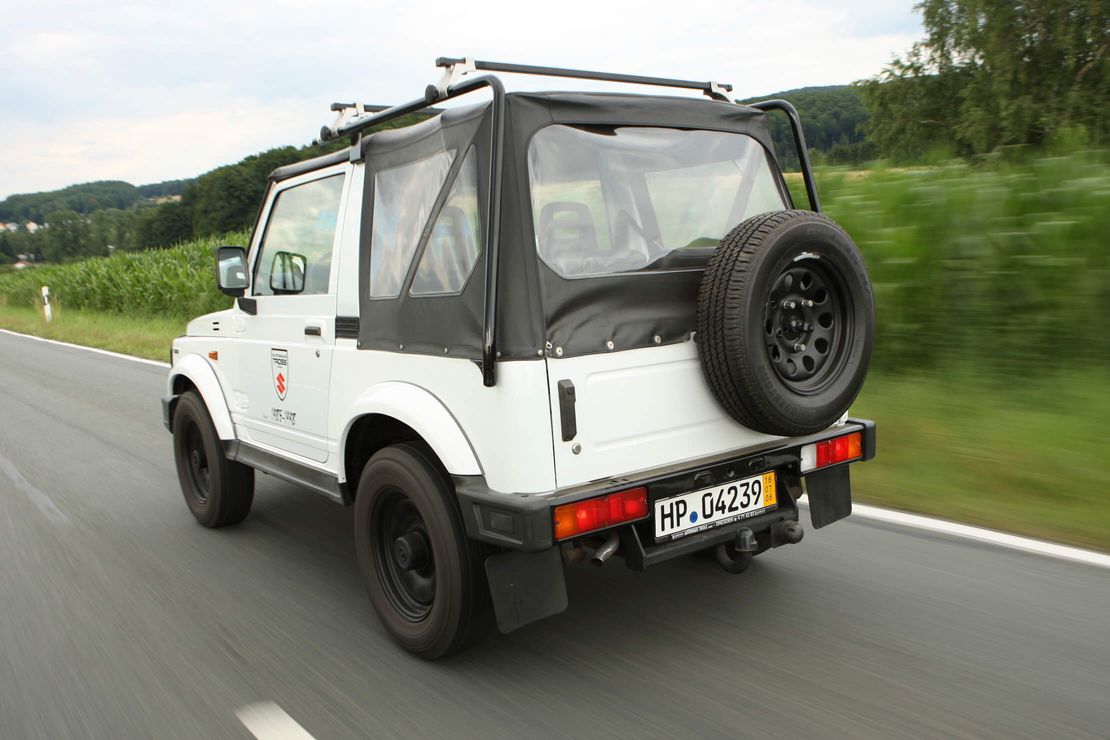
[403, 200]
[300, 235]
[453, 245]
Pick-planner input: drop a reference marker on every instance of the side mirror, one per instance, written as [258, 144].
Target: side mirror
[287, 273]
[231, 271]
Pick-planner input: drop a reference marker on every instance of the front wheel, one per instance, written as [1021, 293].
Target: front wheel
[425, 578]
[218, 491]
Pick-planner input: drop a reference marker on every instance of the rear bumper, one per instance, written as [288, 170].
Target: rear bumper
[524, 521]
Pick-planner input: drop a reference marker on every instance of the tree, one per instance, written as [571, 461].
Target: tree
[991, 73]
[68, 236]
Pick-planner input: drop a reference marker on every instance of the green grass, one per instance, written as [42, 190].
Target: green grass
[142, 337]
[1027, 456]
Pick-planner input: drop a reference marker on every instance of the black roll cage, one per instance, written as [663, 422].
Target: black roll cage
[433, 94]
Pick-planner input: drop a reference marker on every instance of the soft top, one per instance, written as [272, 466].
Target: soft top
[533, 110]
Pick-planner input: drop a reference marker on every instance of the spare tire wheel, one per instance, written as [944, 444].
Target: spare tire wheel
[786, 322]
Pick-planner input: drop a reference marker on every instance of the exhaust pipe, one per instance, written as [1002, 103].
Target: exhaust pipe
[606, 550]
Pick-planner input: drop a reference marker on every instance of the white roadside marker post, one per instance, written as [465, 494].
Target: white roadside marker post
[47, 311]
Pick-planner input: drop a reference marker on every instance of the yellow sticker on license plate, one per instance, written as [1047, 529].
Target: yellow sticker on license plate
[769, 497]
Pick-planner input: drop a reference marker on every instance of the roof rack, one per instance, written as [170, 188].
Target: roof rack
[715, 90]
[355, 117]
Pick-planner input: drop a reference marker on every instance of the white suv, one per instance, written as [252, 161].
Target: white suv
[546, 328]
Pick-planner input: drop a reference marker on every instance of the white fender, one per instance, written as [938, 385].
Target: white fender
[423, 412]
[203, 376]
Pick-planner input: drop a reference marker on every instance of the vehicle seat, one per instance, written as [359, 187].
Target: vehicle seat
[567, 236]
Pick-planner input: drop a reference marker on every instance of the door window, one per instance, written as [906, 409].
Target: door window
[296, 250]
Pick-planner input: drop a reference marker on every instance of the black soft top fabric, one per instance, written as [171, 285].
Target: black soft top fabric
[537, 309]
[583, 315]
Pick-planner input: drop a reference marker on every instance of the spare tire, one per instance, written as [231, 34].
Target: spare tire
[786, 322]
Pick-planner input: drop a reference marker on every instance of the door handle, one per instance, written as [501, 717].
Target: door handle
[312, 331]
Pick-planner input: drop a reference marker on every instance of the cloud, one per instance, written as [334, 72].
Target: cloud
[146, 92]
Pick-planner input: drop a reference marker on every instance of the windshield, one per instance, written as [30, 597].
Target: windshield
[629, 198]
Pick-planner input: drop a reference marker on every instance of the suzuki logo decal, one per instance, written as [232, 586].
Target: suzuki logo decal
[279, 364]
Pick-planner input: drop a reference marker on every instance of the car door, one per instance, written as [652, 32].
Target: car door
[286, 345]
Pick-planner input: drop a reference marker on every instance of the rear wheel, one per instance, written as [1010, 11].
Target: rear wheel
[425, 579]
[218, 491]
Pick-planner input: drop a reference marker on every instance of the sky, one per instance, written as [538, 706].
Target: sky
[146, 92]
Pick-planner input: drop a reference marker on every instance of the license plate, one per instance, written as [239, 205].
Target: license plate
[687, 513]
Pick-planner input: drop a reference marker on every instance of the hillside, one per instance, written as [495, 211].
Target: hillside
[832, 120]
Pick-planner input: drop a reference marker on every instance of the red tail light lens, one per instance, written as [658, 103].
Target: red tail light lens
[832, 451]
[582, 517]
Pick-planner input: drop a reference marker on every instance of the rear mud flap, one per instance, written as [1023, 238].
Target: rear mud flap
[830, 495]
[526, 586]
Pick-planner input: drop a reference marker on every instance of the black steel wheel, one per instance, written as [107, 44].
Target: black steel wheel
[425, 579]
[403, 556]
[786, 322]
[807, 320]
[218, 491]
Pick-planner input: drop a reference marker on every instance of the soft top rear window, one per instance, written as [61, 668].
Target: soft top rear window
[614, 199]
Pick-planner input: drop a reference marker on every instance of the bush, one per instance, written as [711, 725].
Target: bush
[1002, 265]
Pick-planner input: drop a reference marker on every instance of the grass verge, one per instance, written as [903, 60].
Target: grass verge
[142, 337]
[1025, 456]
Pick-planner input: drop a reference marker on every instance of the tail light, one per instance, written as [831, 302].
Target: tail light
[592, 514]
[832, 451]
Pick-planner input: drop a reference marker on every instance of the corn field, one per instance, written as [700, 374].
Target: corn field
[176, 282]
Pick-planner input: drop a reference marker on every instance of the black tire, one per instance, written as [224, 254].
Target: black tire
[430, 594]
[775, 364]
[218, 491]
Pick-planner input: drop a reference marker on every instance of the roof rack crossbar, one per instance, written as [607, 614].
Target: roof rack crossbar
[714, 90]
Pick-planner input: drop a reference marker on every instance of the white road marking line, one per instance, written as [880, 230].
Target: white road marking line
[267, 721]
[37, 497]
[98, 351]
[966, 531]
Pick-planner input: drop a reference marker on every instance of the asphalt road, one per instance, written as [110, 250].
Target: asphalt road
[120, 617]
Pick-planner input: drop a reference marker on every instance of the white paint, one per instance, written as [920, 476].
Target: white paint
[638, 409]
[202, 373]
[965, 531]
[108, 353]
[41, 501]
[267, 721]
[420, 410]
